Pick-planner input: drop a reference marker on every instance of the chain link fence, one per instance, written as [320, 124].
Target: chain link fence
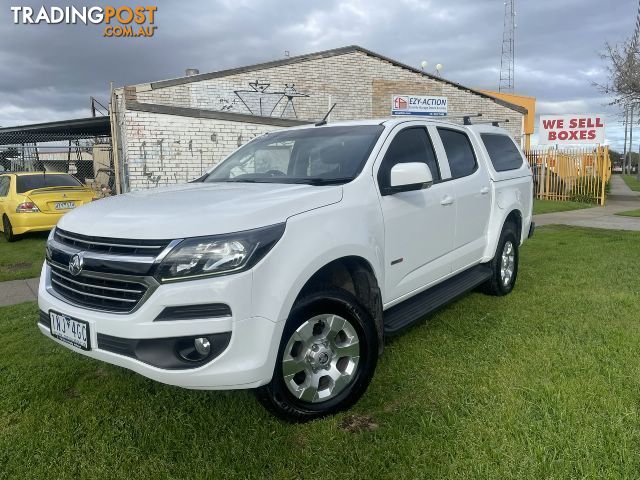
[88, 158]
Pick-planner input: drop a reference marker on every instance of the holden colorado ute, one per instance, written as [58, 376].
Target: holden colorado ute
[285, 267]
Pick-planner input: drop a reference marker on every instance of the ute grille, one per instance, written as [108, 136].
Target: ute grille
[109, 294]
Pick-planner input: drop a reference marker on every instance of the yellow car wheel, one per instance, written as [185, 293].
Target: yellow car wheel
[8, 229]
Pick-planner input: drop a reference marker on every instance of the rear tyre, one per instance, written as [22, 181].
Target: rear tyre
[504, 265]
[8, 230]
[327, 356]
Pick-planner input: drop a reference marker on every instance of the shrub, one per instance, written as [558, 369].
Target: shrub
[587, 190]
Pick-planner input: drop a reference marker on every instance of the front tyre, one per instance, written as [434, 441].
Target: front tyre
[504, 265]
[327, 356]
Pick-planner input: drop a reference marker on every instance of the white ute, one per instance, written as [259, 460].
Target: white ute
[285, 267]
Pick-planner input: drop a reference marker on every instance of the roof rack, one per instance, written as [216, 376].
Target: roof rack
[495, 123]
[463, 116]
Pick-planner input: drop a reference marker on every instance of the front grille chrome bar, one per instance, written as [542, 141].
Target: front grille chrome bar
[104, 244]
[114, 299]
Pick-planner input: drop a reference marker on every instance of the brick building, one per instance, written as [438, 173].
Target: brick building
[171, 131]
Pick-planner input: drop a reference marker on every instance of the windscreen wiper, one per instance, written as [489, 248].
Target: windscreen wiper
[323, 181]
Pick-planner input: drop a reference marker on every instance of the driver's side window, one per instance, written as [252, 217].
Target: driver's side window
[410, 145]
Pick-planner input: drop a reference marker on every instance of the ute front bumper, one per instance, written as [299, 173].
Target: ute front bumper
[246, 361]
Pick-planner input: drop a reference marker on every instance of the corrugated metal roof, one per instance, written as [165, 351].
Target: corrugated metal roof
[55, 131]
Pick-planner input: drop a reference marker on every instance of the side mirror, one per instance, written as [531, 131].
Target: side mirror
[406, 177]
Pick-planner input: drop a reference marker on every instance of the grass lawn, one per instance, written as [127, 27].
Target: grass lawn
[23, 258]
[632, 182]
[552, 206]
[544, 383]
[630, 213]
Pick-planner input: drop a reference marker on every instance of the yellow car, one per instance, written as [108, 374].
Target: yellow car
[35, 201]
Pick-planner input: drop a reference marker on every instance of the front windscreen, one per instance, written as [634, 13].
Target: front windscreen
[25, 183]
[311, 155]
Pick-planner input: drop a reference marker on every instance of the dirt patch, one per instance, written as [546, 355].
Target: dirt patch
[71, 393]
[357, 423]
[18, 266]
[100, 373]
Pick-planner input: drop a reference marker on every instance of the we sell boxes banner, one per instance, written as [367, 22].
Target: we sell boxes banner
[571, 130]
[419, 105]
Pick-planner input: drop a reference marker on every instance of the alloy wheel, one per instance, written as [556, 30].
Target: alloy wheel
[508, 263]
[321, 358]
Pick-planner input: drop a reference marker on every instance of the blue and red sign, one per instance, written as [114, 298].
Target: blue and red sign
[419, 105]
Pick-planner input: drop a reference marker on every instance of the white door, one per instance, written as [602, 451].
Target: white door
[419, 225]
[472, 188]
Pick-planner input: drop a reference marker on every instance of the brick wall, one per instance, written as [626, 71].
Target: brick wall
[167, 149]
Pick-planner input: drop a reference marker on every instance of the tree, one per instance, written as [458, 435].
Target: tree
[624, 72]
[616, 159]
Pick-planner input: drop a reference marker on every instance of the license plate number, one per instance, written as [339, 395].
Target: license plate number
[65, 205]
[70, 330]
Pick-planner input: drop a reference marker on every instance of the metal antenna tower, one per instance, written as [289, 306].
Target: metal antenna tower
[636, 32]
[507, 61]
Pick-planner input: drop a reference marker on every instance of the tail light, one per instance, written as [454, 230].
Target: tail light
[27, 207]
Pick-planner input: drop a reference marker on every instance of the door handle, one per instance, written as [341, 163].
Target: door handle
[484, 190]
[448, 200]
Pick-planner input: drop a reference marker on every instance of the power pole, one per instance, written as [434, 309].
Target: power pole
[630, 139]
[507, 61]
[626, 131]
[636, 39]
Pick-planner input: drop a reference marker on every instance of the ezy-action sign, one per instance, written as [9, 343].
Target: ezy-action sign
[419, 105]
[571, 129]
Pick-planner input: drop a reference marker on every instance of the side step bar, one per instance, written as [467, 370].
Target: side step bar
[405, 314]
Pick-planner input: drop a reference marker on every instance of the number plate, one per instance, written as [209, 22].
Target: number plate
[70, 330]
[65, 205]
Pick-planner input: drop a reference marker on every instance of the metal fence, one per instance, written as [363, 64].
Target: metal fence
[88, 158]
[576, 174]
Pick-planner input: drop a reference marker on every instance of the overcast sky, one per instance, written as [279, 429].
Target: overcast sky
[48, 72]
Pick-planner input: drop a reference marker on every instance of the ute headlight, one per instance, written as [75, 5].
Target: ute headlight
[220, 254]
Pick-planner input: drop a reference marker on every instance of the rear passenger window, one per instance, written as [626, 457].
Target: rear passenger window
[410, 145]
[462, 160]
[502, 151]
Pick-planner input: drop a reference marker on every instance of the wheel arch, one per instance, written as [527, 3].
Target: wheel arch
[514, 217]
[357, 276]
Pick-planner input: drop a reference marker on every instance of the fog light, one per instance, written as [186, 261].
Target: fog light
[202, 346]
